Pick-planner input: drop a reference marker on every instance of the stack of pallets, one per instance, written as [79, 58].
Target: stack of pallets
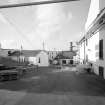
[6, 75]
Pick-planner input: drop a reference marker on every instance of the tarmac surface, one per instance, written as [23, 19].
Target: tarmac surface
[51, 86]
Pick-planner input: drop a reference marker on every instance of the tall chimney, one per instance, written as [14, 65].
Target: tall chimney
[71, 46]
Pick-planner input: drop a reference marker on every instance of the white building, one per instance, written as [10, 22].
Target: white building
[52, 54]
[66, 57]
[82, 50]
[42, 59]
[94, 43]
[36, 57]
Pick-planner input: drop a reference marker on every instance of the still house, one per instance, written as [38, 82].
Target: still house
[65, 57]
[92, 46]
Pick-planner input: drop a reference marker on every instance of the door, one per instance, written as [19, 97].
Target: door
[101, 71]
[71, 61]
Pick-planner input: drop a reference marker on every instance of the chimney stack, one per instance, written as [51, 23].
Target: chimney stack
[71, 46]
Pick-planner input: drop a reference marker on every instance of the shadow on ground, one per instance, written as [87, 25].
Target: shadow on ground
[52, 81]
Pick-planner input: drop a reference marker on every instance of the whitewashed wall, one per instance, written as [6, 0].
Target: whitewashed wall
[93, 43]
[95, 7]
[81, 51]
[102, 36]
[93, 11]
[92, 48]
[44, 61]
[32, 60]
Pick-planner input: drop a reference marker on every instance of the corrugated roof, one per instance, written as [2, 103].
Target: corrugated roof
[26, 53]
[66, 55]
[15, 53]
[31, 53]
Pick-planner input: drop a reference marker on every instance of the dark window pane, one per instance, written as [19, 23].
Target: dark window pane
[101, 49]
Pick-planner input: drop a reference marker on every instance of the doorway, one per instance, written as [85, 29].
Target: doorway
[71, 61]
[101, 71]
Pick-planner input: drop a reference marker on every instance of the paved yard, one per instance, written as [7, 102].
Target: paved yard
[50, 86]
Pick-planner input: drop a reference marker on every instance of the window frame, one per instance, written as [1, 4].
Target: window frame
[101, 53]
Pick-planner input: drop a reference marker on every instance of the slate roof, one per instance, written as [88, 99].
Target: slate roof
[4, 52]
[31, 53]
[15, 53]
[26, 53]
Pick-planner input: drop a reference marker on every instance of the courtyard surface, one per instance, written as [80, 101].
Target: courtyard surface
[51, 86]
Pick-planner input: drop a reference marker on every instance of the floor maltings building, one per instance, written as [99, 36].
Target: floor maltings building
[92, 45]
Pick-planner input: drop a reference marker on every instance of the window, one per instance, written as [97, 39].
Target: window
[64, 61]
[9, 53]
[101, 49]
[86, 58]
[71, 61]
[101, 71]
[39, 60]
[86, 42]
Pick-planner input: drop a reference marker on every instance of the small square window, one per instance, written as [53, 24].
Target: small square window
[86, 42]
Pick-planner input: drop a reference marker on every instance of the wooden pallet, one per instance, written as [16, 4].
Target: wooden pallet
[6, 75]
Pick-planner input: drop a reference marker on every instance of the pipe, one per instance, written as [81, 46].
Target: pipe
[34, 3]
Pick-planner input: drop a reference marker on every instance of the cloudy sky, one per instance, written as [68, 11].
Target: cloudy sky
[55, 24]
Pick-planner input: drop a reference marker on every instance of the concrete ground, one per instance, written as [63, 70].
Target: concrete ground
[49, 86]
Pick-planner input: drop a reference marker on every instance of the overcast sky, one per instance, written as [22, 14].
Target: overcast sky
[55, 24]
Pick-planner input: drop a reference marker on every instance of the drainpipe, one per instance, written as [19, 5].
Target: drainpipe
[84, 50]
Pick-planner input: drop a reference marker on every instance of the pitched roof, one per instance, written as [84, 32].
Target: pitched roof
[26, 53]
[31, 53]
[66, 55]
[15, 53]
